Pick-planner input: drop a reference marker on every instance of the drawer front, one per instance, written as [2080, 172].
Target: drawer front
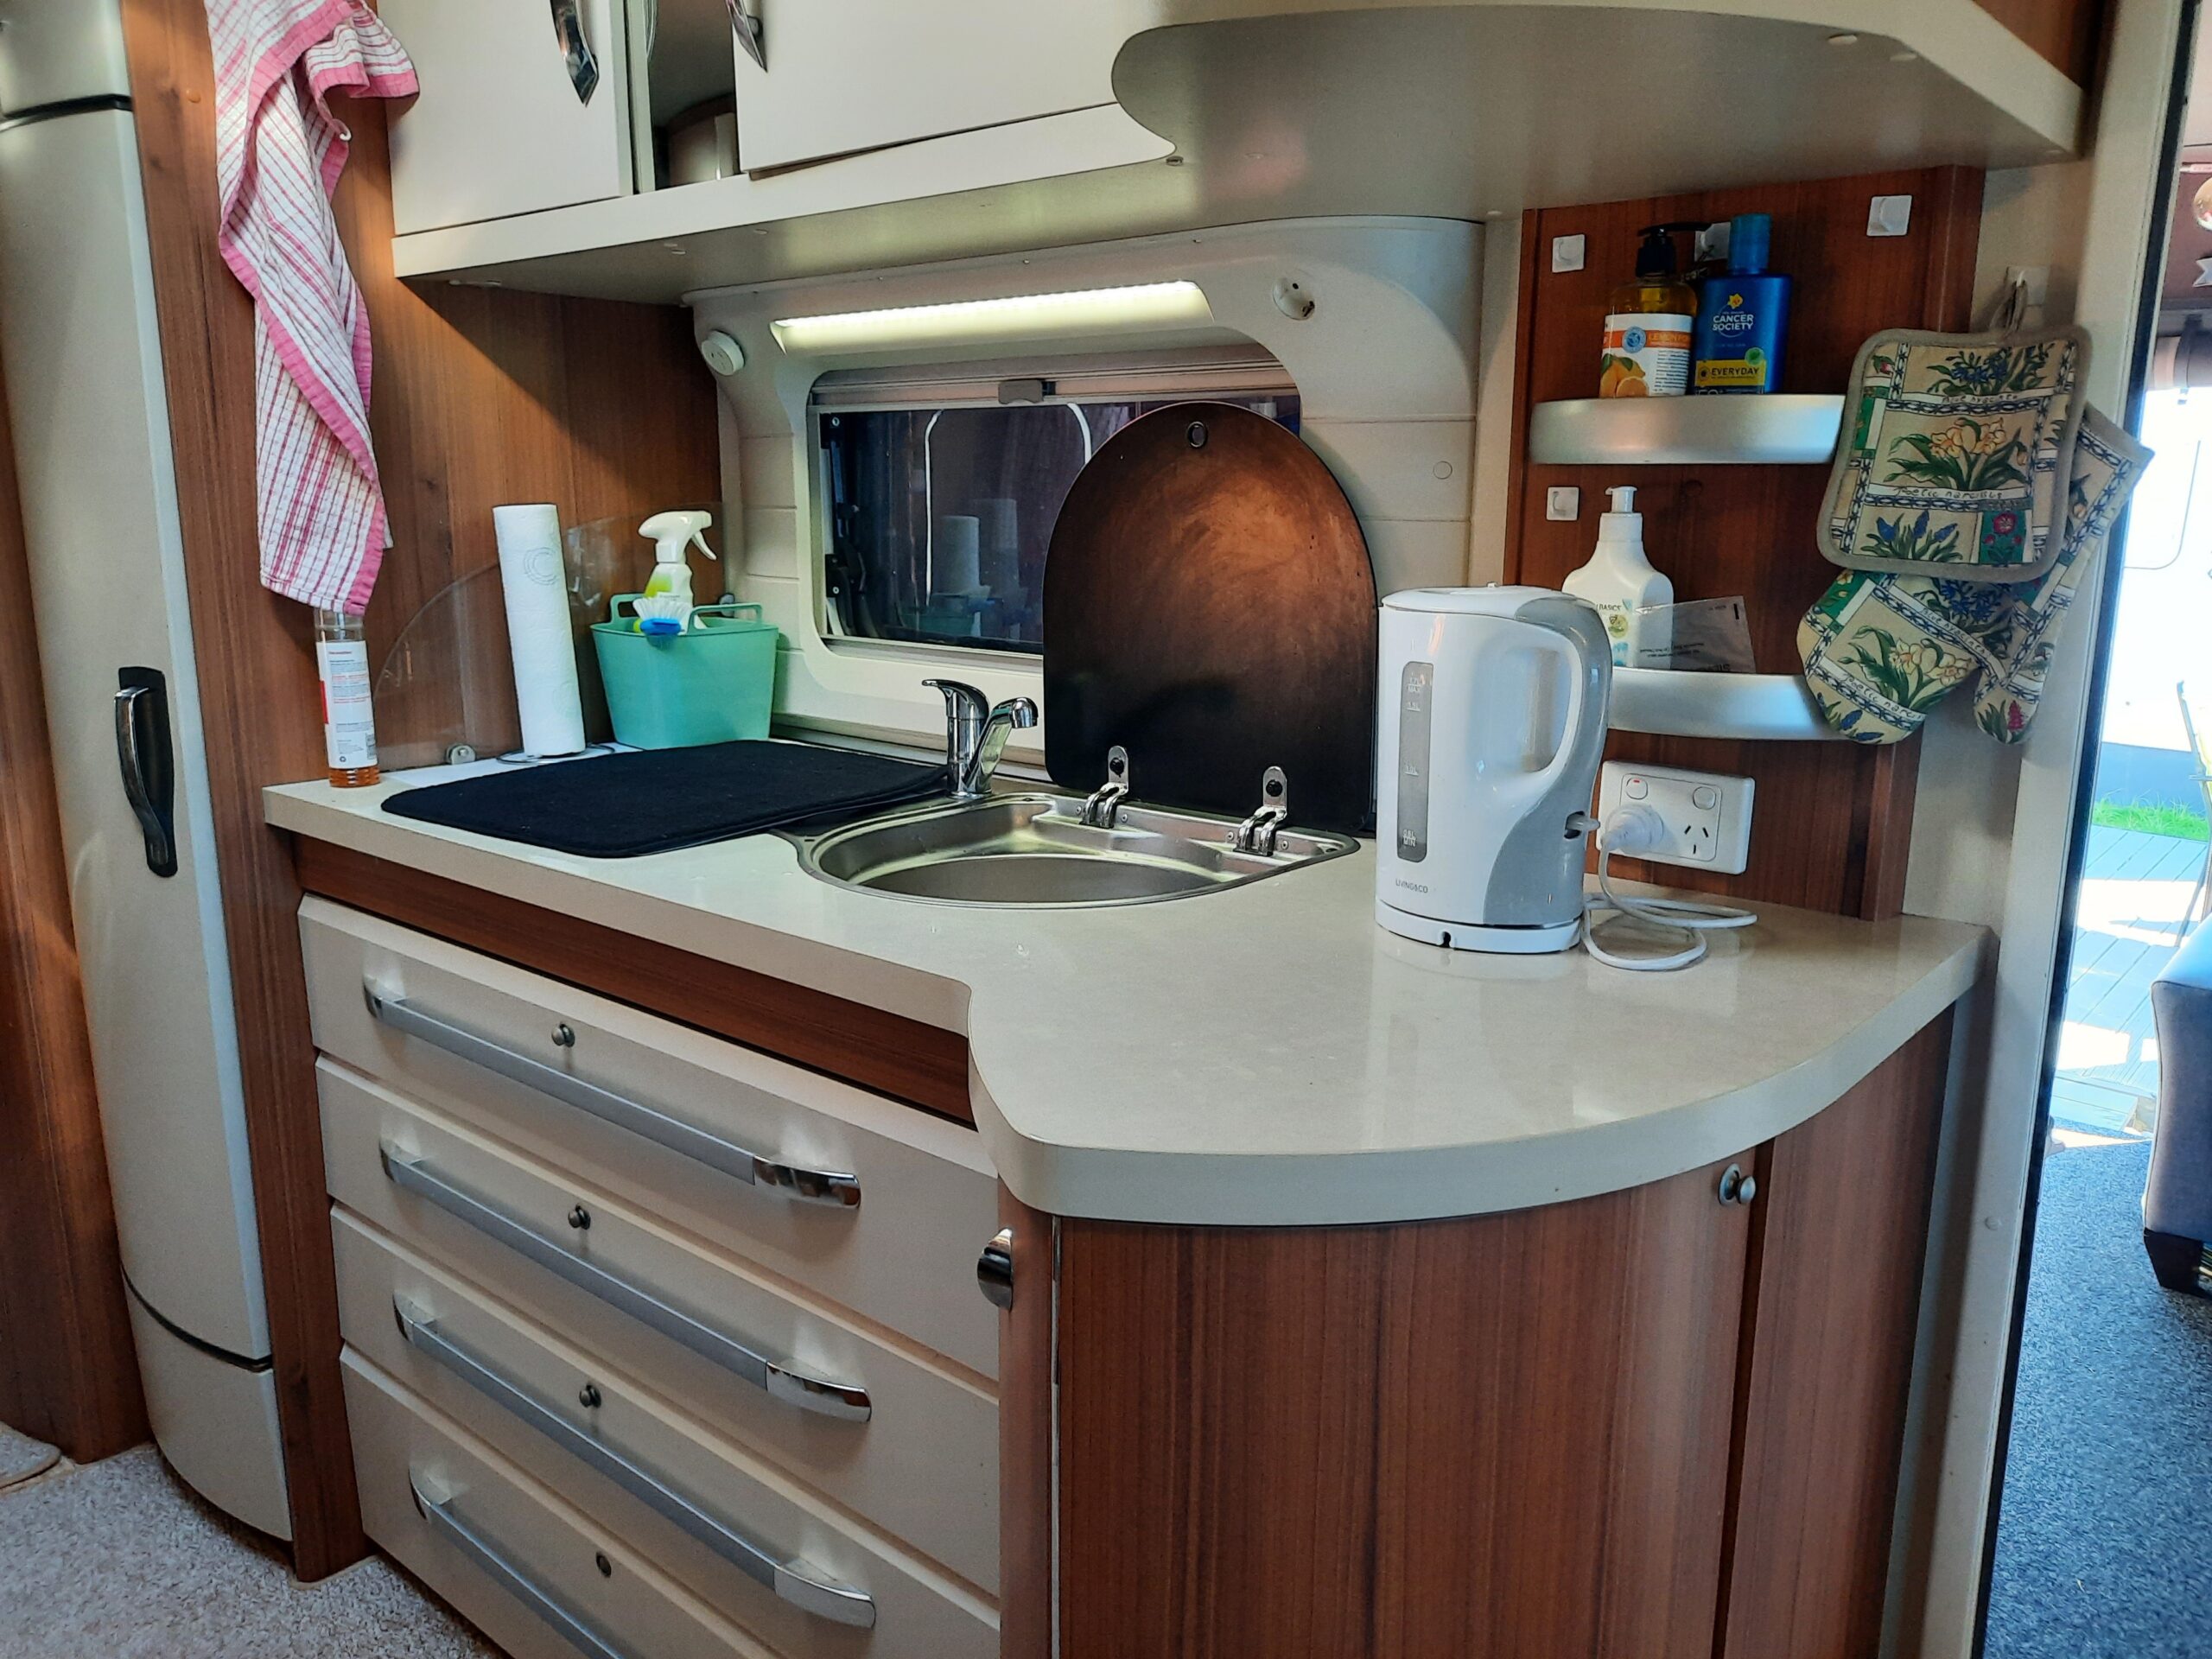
[780, 1565]
[909, 1445]
[516, 1561]
[757, 1156]
[924, 1468]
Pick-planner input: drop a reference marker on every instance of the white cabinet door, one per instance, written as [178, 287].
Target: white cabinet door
[499, 129]
[847, 75]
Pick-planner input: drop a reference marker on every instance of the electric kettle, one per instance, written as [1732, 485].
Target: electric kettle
[1492, 711]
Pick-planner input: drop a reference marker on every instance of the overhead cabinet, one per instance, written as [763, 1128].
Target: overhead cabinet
[499, 127]
[847, 75]
[521, 111]
[887, 131]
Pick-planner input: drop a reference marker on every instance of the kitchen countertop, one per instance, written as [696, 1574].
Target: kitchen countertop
[1267, 1054]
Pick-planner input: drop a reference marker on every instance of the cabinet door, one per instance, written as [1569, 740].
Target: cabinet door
[498, 128]
[1841, 1236]
[846, 75]
[1503, 1435]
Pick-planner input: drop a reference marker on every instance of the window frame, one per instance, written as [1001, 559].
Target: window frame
[1195, 374]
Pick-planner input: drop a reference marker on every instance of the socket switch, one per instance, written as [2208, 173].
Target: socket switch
[1708, 815]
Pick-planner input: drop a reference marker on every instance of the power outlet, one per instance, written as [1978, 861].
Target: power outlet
[1707, 815]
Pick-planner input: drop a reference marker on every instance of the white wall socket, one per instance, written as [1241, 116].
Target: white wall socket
[1707, 815]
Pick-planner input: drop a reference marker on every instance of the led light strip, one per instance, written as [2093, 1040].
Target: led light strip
[1097, 310]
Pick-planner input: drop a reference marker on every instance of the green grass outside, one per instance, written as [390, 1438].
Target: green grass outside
[2152, 819]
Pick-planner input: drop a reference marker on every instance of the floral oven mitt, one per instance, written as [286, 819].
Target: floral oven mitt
[1958, 449]
[1883, 647]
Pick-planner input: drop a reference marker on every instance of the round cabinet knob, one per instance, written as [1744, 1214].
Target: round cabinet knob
[580, 1219]
[995, 1270]
[588, 1397]
[1737, 1186]
[565, 1036]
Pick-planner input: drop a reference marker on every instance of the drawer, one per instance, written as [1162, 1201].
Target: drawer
[786, 1569]
[517, 1563]
[729, 1144]
[908, 1444]
[924, 1468]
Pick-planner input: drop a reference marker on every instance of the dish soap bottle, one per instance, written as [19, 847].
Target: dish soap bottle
[1649, 324]
[671, 534]
[1628, 594]
[1741, 314]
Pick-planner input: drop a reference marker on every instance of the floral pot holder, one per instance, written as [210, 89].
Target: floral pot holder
[1882, 649]
[1958, 447]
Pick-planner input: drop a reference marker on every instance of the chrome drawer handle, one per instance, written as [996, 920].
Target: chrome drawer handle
[492, 1561]
[805, 1586]
[818, 1395]
[649, 1122]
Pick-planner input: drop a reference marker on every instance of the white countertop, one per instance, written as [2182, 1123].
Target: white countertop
[1265, 1054]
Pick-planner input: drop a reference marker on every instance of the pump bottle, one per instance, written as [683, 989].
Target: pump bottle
[1633, 597]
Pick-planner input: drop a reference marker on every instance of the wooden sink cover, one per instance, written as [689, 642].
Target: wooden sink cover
[1210, 606]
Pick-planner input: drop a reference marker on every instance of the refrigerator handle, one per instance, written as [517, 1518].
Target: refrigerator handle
[141, 748]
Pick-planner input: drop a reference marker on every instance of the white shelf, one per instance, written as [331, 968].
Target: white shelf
[1774, 707]
[1722, 431]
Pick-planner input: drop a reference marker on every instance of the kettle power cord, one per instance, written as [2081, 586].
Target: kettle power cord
[1636, 829]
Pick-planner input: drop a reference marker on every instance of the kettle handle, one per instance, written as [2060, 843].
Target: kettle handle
[1575, 634]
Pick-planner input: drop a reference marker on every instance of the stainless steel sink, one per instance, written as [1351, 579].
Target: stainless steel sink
[1035, 850]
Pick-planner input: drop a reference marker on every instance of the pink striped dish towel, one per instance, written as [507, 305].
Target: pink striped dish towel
[278, 153]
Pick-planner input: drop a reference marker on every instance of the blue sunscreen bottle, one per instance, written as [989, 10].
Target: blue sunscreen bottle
[1741, 316]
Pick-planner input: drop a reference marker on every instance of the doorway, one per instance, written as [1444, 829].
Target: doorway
[2107, 1471]
[2143, 874]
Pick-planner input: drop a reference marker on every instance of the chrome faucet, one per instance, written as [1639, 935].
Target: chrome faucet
[976, 734]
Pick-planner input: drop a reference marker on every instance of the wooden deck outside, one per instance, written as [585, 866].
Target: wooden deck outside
[2127, 920]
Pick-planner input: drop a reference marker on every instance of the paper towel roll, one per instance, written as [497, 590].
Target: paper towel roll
[1001, 548]
[535, 581]
[957, 568]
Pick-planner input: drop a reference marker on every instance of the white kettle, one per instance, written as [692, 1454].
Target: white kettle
[1492, 711]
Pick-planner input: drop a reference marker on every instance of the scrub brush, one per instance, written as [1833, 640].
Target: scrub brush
[663, 614]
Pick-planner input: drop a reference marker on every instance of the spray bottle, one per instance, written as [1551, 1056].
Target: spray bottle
[671, 534]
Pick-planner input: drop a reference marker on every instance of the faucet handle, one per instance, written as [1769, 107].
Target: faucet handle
[961, 700]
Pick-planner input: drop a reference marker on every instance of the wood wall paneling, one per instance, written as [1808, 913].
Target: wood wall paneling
[924, 1065]
[1026, 1437]
[1833, 819]
[68, 1371]
[480, 396]
[1506, 1434]
[486, 397]
[2067, 33]
[1840, 1244]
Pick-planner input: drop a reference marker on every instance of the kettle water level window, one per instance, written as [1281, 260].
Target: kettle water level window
[939, 490]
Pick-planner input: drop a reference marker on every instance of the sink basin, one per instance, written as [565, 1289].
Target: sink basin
[1034, 850]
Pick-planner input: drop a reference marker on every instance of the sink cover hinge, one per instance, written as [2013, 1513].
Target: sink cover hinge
[1256, 834]
[1104, 805]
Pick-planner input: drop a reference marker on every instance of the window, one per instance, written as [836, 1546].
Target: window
[940, 494]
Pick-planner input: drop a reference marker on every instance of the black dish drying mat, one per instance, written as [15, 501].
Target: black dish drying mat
[656, 800]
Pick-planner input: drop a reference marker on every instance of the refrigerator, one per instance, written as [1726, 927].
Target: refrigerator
[81, 356]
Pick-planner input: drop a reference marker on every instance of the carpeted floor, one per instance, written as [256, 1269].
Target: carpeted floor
[118, 1560]
[22, 1457]
[2104, 1544]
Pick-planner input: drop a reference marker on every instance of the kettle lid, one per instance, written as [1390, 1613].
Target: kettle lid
[1493, 601]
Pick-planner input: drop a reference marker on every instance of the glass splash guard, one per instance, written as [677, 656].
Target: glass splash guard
[446, 691]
